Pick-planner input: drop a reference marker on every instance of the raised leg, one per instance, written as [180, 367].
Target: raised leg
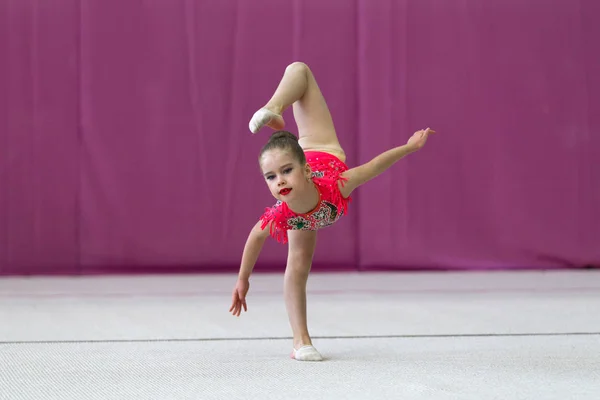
[301, 251]
[299, 88]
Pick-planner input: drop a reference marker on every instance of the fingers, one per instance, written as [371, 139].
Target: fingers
[236, 309]
[242, 303]
[426, 131]
[234, 302]
[237, 304]
[234, 299]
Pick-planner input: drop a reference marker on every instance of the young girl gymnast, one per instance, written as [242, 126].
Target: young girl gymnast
[312, 185]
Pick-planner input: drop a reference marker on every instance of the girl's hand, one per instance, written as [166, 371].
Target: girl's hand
[239, 297]
[419, 138]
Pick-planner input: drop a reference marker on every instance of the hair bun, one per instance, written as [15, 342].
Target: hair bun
[284, 141]
[283, 135]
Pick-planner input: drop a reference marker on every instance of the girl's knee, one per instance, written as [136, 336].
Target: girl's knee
[299, 264]
[297, 273]
[297, 65]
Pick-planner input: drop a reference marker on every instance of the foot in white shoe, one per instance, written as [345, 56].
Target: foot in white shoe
[306, 353]
[265, 117]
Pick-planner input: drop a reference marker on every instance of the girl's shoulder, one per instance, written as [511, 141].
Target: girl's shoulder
[276, 217]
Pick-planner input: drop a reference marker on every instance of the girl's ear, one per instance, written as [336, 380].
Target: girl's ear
[308, 171]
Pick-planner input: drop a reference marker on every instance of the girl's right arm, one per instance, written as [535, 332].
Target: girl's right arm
[254, 244]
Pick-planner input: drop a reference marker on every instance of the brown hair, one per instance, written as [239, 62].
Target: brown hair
[284, 140]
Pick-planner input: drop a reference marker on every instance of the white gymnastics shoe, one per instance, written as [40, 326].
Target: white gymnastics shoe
[306, 353]
[265, 117]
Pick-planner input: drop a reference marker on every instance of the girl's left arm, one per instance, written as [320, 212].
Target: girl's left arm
[360, 175]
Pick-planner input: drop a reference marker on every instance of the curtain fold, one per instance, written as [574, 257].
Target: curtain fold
[589, 227]
[39, 137]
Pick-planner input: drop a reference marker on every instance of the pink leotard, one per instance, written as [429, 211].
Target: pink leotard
[331, 207]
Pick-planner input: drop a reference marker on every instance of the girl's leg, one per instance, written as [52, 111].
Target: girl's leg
[301, 250]
[298, 88]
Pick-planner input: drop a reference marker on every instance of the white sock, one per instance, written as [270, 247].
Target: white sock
[260, 119]
[307, 353]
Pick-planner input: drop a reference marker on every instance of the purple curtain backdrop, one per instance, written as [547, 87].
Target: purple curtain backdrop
[124, 141]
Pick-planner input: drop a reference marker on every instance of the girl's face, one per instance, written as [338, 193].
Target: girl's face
[285, 177]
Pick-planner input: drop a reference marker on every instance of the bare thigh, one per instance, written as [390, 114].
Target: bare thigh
[301, 249]
[316, 130]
